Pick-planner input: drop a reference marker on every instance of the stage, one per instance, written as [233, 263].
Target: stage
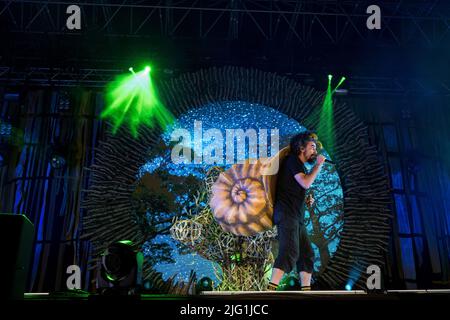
[185, 156]
[323, 295]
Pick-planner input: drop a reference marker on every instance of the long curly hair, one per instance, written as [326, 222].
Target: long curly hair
[300, 140]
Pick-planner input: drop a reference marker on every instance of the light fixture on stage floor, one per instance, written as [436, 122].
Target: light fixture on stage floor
[120, 270]
[148, 287]
[204, 284]
[348, 286]
[292, 284]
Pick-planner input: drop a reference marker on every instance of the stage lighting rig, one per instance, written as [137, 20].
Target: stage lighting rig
[120, 270]
[204, 284]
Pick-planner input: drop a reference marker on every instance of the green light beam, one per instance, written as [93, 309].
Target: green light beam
[326, 120]
[132, 99]
[339, 84]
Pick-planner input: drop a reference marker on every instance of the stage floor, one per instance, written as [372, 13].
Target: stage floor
[256, 295]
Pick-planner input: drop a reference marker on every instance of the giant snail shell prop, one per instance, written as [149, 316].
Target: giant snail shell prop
[243, 196]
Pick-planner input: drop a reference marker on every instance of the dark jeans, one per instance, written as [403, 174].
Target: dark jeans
[294, 247]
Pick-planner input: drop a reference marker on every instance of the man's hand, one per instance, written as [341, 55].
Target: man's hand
[309, 201]
[320, 160]
[306, 180]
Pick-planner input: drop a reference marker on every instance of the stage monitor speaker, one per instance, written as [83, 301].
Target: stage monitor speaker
[16, 243]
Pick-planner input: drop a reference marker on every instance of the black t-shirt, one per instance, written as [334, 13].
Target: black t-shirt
[290, 195]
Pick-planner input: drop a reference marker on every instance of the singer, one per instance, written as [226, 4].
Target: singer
[293, 181]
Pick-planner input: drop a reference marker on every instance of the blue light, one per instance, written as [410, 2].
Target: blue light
[147, 285]
[348, 287]
[292, 282]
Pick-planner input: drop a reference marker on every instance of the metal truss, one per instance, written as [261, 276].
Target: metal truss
[397, 86]
[98, 78]
[333, 22]
[58, 77]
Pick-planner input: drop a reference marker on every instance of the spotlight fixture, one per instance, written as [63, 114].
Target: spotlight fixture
[59, 153]
[291, 284]
[57, 161]
[148, 287]
[120, 270]
[205, 284]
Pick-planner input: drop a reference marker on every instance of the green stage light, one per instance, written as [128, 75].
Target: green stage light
[326, 121]
[205, 284]
[330, 77]
[120, 269]
[339, 84]
[132, 99]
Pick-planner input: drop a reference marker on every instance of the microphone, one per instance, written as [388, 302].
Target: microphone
[327, 160]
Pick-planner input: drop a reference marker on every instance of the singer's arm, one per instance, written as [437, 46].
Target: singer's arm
[306, 180]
